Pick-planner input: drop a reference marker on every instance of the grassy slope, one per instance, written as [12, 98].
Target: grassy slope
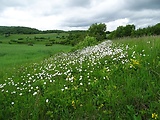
[31, 37]
[14, 54]
[112, 81]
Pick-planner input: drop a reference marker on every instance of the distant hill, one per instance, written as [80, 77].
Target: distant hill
[25, 30]
[18, 30]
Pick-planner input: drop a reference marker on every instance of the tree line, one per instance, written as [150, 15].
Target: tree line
[98, 31]
[7, 30]
[131, 31]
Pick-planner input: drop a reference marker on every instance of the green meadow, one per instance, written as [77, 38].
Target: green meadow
[11, 55]
[23, 49]
[32, 39]
[113, 80]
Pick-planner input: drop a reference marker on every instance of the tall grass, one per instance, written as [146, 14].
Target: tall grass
[112, 80]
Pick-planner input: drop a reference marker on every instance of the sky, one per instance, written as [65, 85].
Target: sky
[78, 14]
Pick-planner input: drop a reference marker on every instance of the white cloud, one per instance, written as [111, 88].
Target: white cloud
[114, 24]
[78, 14]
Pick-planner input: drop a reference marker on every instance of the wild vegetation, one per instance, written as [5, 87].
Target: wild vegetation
[99, 79]
[130, 31]
[112, 80]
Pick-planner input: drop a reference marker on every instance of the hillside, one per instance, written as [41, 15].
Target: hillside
[17, 30]
[114, 80]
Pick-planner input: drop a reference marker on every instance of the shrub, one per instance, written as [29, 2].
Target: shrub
[20, 38]
[30, 44]
[13, 40]
[88, 41]
[48, 44]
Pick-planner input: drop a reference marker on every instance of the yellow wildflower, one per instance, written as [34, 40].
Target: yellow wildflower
[135, 62]
[73, 104]
[154, 115]
[114, 86]
[100, 106]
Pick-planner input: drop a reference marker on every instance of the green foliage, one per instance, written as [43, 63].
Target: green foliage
[52, 31]
[75, 37]
[122, 31]
[17, 30]
[156, 29]
[88, 41]
[5, 30]
[98, 31]
[129, 31]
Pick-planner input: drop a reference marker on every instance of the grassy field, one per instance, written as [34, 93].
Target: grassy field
[33, 38]
[11, 55]
[20, 49]
[112, 80]
[15, 55]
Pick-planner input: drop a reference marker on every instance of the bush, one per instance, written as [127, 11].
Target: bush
[48, 44]
[88, 41]
[13, 40]
[20, 38]
[20, 42]
[30, 44]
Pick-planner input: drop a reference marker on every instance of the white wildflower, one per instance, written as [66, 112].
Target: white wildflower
[81, 83]
[47, 100]
[35, 93]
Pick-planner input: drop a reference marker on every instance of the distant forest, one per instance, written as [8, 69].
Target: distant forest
[121, 31]
[131, 31]
[25, 30]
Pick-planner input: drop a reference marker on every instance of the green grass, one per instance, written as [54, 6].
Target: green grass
[113, 80]
[11, 55]
[15, 55]
[32, 38]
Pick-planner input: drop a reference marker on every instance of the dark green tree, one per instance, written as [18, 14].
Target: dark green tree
[98, 31]
[156, 29]
[122, 31]
[125, 31]
[74, 37]
[129, 29]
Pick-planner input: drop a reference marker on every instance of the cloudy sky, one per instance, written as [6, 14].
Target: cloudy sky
[78, 14]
